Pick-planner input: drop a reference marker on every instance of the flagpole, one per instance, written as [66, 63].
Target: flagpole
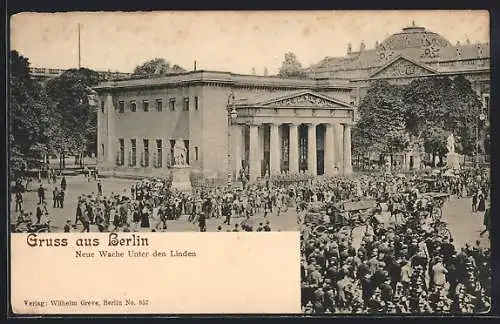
[79, 48]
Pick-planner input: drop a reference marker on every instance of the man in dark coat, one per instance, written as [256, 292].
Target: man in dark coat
[41, 194]
[61, 198]
[486, 222]
[63, 183]
[202, 222]
[55, 197]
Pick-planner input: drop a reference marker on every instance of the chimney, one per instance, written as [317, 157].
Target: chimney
[468, 41]
[376, 45]
[458, 43]
[265, 71]
[194, 65]
[349, 48]
[253, 71]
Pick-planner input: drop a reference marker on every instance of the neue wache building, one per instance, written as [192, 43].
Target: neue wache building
[267, 124]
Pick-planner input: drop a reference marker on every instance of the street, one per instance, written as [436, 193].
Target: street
[464, 225]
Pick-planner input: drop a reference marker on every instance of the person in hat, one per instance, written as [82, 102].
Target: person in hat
[67, 226]
[41, 194]
[202, 223]
[267, 227]
[486, 222]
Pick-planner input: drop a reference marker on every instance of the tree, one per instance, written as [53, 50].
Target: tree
[291, 67]
[29, 115]
[442, 105]
[381, 127]
[156, 67]
[74, 117]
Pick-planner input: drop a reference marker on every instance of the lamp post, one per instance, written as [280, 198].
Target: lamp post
[482, 117]
[231, 115]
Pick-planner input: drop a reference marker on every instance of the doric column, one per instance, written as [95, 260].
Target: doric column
[274, 149]
[312, 166]
[329, 155]
[294, 149]
[339, 146]
[254, 152]
[347, 149]
[236, 137]
[111, 140]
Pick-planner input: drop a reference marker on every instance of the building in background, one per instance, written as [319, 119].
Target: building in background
[44, 74]
[281, 124]
[413, 53]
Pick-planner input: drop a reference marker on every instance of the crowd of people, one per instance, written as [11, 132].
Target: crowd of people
[400, 267]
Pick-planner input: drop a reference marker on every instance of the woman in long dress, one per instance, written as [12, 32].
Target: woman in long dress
[145, 218]
[481, 206]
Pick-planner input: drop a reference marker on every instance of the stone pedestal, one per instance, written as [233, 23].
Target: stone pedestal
[180, 178]
[453, 161]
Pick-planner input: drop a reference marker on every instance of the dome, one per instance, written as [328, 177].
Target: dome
[414, 37]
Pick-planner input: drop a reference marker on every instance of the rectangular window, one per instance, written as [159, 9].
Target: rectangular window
[159, 105]
[196, 153]
[159, 153]
[133, 106]
[121, 107]
[145, 105]
[196, 103]
[102, 106]
[172, 144]
[121, 156]
[171, 104]
[186, 145]
[146, 153]
[185, 106]
[133, 155]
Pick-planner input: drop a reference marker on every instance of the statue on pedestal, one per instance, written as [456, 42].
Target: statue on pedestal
[450, 143]
[451, 157]
[180, 153]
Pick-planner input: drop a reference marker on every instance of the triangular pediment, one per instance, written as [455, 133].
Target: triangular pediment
[403, 67]
[306, 98]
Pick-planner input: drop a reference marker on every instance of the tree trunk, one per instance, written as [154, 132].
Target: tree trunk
[63, 161]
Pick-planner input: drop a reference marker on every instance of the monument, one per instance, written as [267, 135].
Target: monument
[452, 158]
[180, 169]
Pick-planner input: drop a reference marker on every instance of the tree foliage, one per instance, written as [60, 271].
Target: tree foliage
[291, 67]
[74, 118]
[29, 110]
[156, 67]
[381, 124]
[427, 110]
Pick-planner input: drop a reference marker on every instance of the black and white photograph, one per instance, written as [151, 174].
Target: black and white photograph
[367, 132]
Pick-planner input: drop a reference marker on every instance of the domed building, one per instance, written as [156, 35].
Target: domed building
[415, 52]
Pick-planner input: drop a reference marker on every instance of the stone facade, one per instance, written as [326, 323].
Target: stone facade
[139, 119]
[413, 53]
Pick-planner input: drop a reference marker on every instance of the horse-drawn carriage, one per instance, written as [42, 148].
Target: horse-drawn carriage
[342, 217]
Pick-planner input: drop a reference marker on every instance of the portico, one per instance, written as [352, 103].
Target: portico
[300, 132]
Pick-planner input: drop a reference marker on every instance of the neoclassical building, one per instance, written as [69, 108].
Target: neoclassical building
[278, 124]
[413, 53]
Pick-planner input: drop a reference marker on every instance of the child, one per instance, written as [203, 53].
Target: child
[67, 227]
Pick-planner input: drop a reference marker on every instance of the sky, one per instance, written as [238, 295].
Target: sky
[223, 41]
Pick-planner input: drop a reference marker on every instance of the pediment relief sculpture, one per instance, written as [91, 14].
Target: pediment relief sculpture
[306, 100]
[402, 68]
